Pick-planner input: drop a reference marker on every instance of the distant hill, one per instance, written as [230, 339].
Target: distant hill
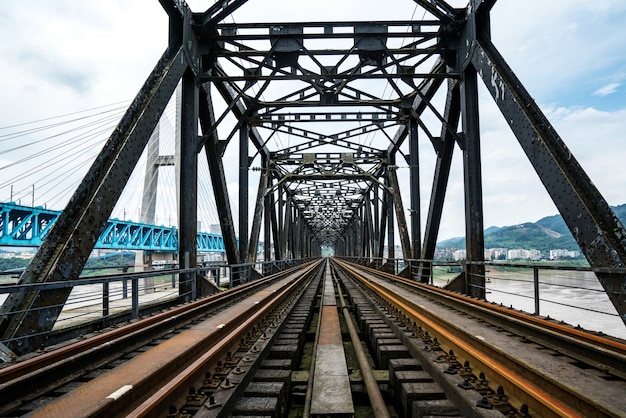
[545, 234]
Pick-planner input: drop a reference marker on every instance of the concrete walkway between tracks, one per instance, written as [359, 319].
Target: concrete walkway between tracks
[331, 386]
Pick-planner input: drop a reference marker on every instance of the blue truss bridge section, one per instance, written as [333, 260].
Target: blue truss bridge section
[24, 226]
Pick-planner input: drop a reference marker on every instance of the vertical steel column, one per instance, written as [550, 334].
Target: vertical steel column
[269, 219]
[440, 179]
[474, 230]
[376, 222]
[279, 246]
[307, 239]
[243, 191]
[286, 232]
[371, 245]
[295, 231]
[278, 249]
[349, 231]
[301, 235]
[414, 170]
[258, 213]
[364, 231]
[399, 207]
[218, 179]
[382, 230]
[391, 233]
[188, 188]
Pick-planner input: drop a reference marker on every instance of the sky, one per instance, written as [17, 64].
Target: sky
[65, 56]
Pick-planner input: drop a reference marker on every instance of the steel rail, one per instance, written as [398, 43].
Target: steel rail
[606, 354]
[377, 401]
[38, 374]
[177, 386]
[125, 386]
[540, 392]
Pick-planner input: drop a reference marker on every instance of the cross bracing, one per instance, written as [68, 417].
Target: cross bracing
[325, 113]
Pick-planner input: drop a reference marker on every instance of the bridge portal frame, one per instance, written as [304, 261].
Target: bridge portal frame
[461, 39]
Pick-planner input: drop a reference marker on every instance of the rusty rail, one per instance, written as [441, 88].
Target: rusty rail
[543, 394]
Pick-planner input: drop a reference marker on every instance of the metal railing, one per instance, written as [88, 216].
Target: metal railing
[567, 293]
[104, 299]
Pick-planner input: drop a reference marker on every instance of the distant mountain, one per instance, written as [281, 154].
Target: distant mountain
[492, 229]
[547, 233]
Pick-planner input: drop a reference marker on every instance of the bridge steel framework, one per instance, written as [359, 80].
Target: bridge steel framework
[330, 185]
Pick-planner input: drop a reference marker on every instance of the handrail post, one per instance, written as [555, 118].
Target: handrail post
[105, 302]
[135, 298]
[536, 287]
[194, 293]
[431, 273]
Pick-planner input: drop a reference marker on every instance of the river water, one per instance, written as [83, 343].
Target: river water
[575, 297]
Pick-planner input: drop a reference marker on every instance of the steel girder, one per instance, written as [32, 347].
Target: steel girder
[214, 154]
[259, 209]
[244, 165]
[414, 183]
[26, 316]
[595, 227]
[188, 186]
[440, 180]
[474, 229]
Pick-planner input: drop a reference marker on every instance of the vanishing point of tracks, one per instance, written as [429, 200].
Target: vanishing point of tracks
[326, 339]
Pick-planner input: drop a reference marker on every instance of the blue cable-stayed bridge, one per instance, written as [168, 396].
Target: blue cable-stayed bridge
[23, 226]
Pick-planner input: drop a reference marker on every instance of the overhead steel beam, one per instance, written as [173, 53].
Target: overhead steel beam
[26, 316]
[427, 88]
[239, 110]
[440, 9]
[219, 11]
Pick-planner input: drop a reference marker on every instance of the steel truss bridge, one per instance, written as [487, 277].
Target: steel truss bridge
[23, 226]
[319, 84]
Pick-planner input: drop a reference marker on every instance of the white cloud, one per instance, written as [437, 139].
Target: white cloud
[606, 90]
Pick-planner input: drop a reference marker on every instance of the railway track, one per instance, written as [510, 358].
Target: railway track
[540, 367]
[110, 373]
[326, 339]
